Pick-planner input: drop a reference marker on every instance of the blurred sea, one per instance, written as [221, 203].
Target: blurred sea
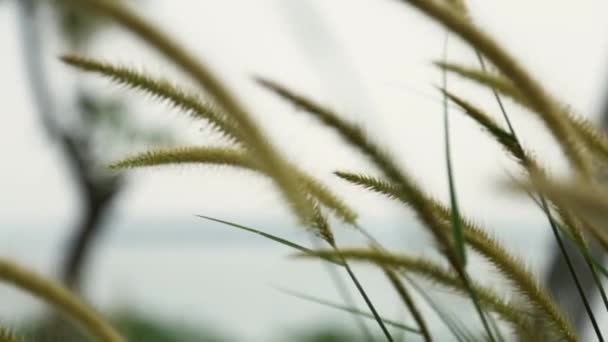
[204, 274]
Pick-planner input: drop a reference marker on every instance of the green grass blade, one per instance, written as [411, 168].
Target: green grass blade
[352, 310]
[261, 233]
[455, 213]
[307, 250]
[439, 311]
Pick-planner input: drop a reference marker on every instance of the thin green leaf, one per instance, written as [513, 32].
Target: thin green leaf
[347, 309]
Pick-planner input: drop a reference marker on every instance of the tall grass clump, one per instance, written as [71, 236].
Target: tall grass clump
[576, 208]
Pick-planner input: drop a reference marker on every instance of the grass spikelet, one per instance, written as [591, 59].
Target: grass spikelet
[588, 201]
[490, 80]
[186, 100]
[248, 132]
[370, 183]
[595, 139]
[506, 139]
[509, 266]
[327, 198]
[235, 158]
[439, 275]
[192, 154]
[59, 298]
[321, 226]
[540, 100]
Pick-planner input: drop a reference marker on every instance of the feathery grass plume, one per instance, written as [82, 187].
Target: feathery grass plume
[186, 100]
[327, 198]
[236, 158]
[594, 139]
[495, 81]
[506, 139]
[509, 266]
[531, 166]
[346, 309]
[59, 298]
[192, 104]
[540, 100]
[589, 201]
[8, 335]
[248, 131]
[461, 6]
[321, 226]
[516, 150]
[356, 138]
[438, 274]
[353, 135]
[409, 302]
[189, 154]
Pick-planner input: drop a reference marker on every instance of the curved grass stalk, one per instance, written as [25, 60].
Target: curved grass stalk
[190, 103]
[236, 158]
[504, 138]
[161, 88]
[248, 131]
[59, 298]
[436, 273]
[509, 266]
[541, 101]
[491, 80]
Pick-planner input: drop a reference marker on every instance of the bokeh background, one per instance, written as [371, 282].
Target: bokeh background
[370, 60]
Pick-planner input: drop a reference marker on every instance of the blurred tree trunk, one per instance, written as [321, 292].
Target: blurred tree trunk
[95, 190]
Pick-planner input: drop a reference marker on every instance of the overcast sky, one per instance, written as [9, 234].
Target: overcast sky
[370, 60]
